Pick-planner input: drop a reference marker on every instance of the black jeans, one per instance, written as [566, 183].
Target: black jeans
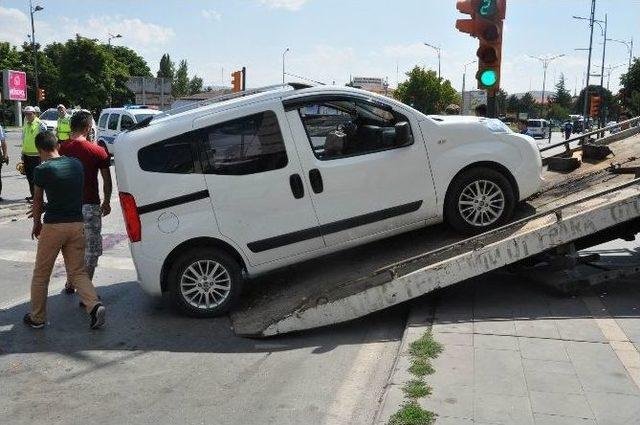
[30, 163]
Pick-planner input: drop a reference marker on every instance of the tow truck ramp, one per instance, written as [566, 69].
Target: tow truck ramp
[596, 206]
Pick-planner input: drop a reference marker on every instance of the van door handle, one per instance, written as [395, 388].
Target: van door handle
[297, 188]
[316, 180]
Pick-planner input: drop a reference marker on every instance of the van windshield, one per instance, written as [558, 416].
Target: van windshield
[140, 117]
[534, 124]
[49, 115]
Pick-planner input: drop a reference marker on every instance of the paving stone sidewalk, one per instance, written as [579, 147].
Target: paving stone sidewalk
[516, 353]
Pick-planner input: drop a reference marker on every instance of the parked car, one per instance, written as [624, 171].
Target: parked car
[114, 121]
[538, 128]
[50, 119]
[614, 127]
[239, 187]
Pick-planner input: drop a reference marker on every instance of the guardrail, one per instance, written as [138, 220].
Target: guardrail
[626, 128]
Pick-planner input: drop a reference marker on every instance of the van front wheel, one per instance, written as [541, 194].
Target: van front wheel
[205, 282]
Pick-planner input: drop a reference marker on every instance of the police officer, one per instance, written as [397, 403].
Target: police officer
[30, 157]
[63, 129]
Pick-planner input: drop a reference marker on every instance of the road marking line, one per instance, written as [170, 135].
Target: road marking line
[618, 340]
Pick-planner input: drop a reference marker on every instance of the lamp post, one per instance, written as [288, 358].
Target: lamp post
[464, 80]
[545, 64]
[610, 69]
[33, 10]
[287, 50]
[112, 36]
[586, 87]
[629, 48]
[439, 51]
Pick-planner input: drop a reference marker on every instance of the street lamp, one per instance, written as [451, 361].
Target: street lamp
[112, 36]
[439, 50]
[33, 10]
[283, 69]
[610, 69]
[629, 48]
[464, 78]
[545, 64]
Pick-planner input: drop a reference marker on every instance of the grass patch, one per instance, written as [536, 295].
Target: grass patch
[425, 347]
[421, 367]
[412, 414]
[416, 388]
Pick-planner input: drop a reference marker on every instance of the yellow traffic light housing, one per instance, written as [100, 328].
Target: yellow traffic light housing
[41, 95]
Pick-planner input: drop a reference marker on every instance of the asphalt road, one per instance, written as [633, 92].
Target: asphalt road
[152, 366]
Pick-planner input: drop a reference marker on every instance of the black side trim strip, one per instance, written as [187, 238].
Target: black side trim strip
[336, 226]
[167, 203]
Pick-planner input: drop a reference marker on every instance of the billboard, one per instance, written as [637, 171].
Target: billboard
[14, 84]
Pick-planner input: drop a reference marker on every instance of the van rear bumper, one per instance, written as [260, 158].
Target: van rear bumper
[148, 269]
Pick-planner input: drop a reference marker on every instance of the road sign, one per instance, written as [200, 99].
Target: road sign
[14, 85]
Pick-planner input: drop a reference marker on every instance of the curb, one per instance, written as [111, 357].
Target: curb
[419, 320]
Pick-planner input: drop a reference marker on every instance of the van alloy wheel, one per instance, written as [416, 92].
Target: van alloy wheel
[205, 284]
[481, 203]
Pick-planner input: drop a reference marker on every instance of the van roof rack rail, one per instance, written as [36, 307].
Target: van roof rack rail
[229, 96]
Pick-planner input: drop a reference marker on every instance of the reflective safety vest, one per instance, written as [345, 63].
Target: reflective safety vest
[29, 133]
[63, 130]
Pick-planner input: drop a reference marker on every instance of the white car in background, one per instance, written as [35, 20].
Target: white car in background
[249, 183]
[50, 119]
[538, 128]
[114, 121]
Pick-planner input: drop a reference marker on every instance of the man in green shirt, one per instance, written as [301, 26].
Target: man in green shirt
[61, 179]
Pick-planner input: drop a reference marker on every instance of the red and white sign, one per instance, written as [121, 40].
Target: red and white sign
[16, 85]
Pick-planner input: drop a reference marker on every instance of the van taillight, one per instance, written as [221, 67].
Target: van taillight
[131, 217]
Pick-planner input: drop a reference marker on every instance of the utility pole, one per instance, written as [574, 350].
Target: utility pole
[586, 87]
[603, 116]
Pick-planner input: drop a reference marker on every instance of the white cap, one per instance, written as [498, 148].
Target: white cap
[60, 106]
[29, 109]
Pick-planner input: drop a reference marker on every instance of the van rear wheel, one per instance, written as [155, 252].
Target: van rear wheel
[205, 282]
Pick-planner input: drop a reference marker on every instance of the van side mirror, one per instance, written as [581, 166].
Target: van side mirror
[403, 133]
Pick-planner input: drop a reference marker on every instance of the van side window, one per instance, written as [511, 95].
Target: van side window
[348, 127]
[103, 121]
[247, 145]
[169, 156]
[113, 121]
[126, 122]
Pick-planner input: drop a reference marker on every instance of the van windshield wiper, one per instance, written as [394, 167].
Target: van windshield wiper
[145, 122]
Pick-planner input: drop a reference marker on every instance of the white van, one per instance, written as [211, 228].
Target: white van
[114, 121]
[247, 184]
[538, 128]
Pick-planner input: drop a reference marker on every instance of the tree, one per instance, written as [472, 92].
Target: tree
[167, 67]
[427, 93]
[527, 103]
[126, 64]
[630, 90]
[558, 112]
[562, 97]
[501, 102]
[513, 104]
[181, 80]
[195, 85]
[9, 56]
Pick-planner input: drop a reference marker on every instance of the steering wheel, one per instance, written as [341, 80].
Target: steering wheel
[349, 128]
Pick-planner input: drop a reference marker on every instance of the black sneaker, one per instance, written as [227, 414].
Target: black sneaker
[82, 305]
[69, 289]
[97, 316]
[29, 322]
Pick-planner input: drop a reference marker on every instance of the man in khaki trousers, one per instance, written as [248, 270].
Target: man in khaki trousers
[61, 178]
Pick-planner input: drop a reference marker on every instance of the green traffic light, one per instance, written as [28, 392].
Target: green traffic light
[488, 77]
[487, 8]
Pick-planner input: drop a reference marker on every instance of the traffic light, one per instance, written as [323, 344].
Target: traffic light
[594, 110]
[236, 81]
[486, 25]
[41, 95]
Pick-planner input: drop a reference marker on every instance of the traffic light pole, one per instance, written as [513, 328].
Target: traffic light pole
[492, 110]
[586, 87]
[244, 78]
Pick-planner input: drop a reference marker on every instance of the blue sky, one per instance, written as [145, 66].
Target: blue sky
[331, 39]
